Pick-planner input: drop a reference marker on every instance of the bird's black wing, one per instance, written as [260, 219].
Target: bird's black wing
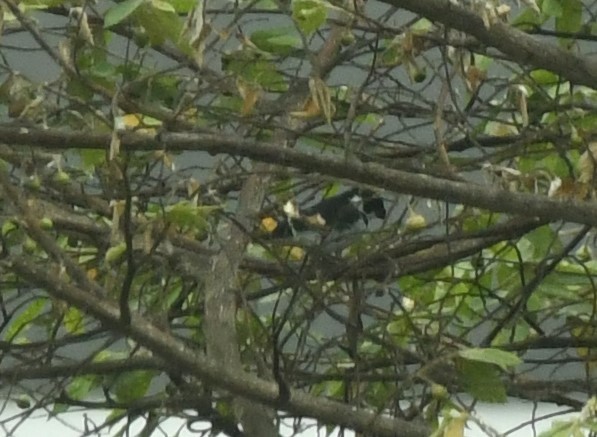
[338, 212]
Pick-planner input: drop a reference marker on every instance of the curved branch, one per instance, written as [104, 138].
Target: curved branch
[518, 45]
[471, 194]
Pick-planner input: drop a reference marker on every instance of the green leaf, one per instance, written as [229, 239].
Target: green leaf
[370, 119]
[120, 12]
[102, 70]
[491, 356]
[552, 8]
[160, 25]
[80, 386]
[544, 77]
[253, 68]
[163, 6]
[334, 389]
[130, 386]
[40, 4]
[422, 26]
[571, 18]
[29, 314]
[256, 251]
[114, 253]
[73, 321]
[163, 89]
[107, 355]
[482, 381]
[187, 215]
[559, 429]
[393, 53]
[172, 295]
[529, 19]
[58, 409]
[542, 240]
[91, 158]
[8, 227]
[115, 416]
[183, 6]
[23, 402]
[310, 15]
[280, 41]
[483, 62]
[76, 88]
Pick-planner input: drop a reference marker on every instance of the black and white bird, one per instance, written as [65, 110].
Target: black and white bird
[337, 213]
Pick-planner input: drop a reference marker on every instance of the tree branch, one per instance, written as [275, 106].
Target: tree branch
[518, 45]
[470, 194]
[20, 373]
[194, 363]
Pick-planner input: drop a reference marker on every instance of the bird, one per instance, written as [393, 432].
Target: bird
[342, 211]
[336, 213]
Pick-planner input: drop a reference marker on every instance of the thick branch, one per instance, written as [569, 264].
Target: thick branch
[221, 336]
[399, 181]
[20, 373]
[519, 46]
[373, 174]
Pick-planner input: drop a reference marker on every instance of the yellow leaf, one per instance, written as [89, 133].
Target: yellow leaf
[320, 94]
[148, 240]
[310, 110]
[196, 30]
[415, 220]
[268, 224]
[474, 77]
[193, 186]
[84, 29]
[117, 211]
[568, 189]
[92, 274]
[250, 95]
[502, 11]
[439, 391]
[135, 120]
[499, 129]
[522, 96]
[455, 426]
[296, 253]
[166, 159]
[586, 164]
[130, 121]
[114, 145]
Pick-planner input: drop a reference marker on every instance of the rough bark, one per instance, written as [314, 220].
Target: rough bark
[519, 46]
[220, 303]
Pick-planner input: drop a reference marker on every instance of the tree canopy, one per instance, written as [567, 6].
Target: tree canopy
[371, 214]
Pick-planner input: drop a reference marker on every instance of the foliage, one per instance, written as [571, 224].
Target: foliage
[145, 173]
